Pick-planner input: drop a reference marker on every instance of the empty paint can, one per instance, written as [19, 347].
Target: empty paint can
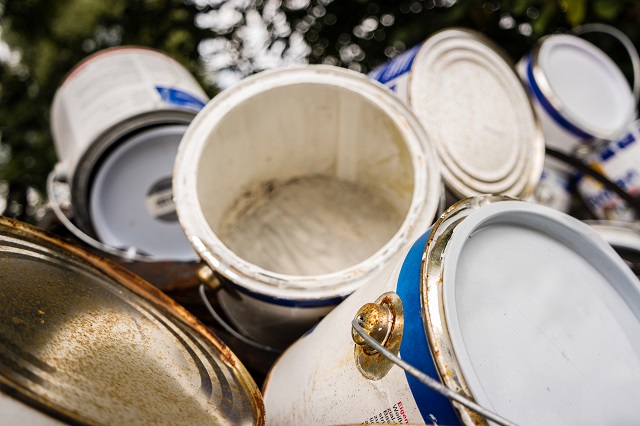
[624, 237]
[299, 185]
[117, 120]
[619, 161]
[521, 308]
[578, 91]
[85, 341]
[464, 90]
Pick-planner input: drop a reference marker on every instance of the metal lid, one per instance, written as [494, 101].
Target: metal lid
[88, 342]
[131, 197]
[477, 114]
[529, 311]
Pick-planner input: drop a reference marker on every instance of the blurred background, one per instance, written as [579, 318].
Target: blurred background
[222, 41]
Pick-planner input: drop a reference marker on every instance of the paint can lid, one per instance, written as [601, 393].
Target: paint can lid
[477, 114]
[131, 197]
[87, 342]
[542, 316]
[583, 84]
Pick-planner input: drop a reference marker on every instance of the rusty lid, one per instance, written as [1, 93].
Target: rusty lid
[470, 100]
[87, 342]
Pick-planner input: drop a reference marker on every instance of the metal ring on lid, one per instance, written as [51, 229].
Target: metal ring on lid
[465, 91]
[87, 342]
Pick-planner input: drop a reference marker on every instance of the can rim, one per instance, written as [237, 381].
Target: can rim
[259, 280]
[448, 236]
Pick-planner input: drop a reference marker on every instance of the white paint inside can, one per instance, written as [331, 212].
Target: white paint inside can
[544, 318]
[131, 196]
[587, 85]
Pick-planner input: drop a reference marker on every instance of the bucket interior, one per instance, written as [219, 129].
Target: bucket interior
[588, 84]
[305, 179]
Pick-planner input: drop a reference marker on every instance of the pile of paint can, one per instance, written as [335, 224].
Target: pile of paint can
[377, 231]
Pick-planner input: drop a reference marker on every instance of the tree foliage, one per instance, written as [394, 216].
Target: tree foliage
[52, 36]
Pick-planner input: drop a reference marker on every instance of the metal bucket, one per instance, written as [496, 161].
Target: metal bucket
[466, 93]
[298, 186]
[117, 120]
[524, 313]
[618, 160]
[84, 341]
[579, 93]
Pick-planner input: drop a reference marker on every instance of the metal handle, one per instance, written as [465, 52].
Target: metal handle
[231, 330]
[426, 379]
[626, 42]
[129, 255]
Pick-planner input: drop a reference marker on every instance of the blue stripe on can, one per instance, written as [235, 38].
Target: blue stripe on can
[396, 67]
[291, 303]
[179, 98]
[546, 105]
[415, 348]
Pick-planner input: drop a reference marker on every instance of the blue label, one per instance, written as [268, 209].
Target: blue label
[415, 348]
[179, 98]
[396, 67]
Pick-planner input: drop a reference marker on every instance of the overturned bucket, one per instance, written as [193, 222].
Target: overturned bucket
[465, 91]
[524, 313]
[86, 342]
[117, 120]
[299, 185]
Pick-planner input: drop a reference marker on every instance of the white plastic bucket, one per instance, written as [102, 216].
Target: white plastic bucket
[117, 120]
[579, 93]
[299, 185]
[465, 91]
[523, 309]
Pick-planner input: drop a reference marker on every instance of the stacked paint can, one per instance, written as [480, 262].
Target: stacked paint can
[583, 99]
[297, 186]
[466, 93]
[117, 120]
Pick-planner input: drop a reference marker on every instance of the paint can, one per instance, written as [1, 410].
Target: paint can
[117, 120]
[619, 161]
[579, 92]
[466, 93]
[85, 341]
[297, 186]
[521, 308]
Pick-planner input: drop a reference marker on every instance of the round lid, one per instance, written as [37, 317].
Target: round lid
[89, 343]
[131, 196]
[541, 316]
[477, 114]
[584, 85]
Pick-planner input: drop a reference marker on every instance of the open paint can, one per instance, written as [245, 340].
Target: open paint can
[579, 92]
[517, 308]
[465, 91]
[299, 185]
[117, 120]
[85, 341]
